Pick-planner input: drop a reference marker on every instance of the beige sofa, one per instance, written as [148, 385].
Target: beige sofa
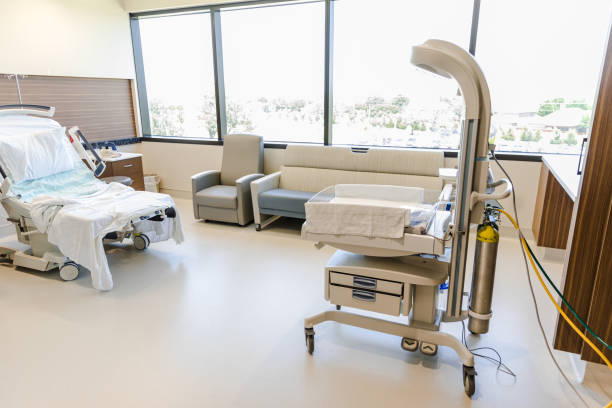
[306, 170]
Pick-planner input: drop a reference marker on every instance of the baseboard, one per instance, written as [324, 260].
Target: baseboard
[508, 231]
[176, 193]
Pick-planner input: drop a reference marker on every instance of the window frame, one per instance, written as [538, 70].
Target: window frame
[219, 82]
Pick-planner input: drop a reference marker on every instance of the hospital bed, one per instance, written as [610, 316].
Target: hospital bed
[59, 207]
[394, 249]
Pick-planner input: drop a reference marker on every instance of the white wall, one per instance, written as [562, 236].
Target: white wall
[525, 176]
[176, 163]
[83, 38]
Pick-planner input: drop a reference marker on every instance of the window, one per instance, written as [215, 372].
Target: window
[273, 64]
[542, 60]
[178, 64]
[380, 98]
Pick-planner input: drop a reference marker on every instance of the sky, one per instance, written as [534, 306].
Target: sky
[529, 50]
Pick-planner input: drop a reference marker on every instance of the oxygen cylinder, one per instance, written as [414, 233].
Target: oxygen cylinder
[485, 256]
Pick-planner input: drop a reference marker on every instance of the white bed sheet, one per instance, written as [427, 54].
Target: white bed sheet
[374, 218]
[77, 226]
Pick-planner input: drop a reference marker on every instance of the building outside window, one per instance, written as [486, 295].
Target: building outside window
[542, 60]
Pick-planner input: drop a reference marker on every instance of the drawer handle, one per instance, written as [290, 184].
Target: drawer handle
[360, 281]
[364, 295]
[128, 165]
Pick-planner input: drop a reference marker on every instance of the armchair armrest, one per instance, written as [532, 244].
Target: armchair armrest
[204, 180]
[269, 182]
[243, 191]
[244, 182]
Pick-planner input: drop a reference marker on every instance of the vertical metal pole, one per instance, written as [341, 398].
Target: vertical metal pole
[143, 103]
[18, 88]
[215, 20]
[474, 30]
[461, 231]
[328, 99]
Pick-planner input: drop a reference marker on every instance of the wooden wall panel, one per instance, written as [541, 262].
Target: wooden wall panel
[600, 311]
[102, 108]
[587, 267]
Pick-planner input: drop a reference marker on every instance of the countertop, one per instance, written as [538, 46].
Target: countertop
[124, 156]
[564, 168]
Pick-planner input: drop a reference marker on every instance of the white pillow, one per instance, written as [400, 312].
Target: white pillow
[32, 155]
[25, 121]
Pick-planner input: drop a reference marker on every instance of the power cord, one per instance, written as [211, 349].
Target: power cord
[533, 297]
[586, 326]
[500, 365]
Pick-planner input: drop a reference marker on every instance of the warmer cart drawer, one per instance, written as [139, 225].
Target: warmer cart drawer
[367, 283]
[365, 299]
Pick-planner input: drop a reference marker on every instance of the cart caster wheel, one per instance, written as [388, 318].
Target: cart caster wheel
[69, 271]
[410, 344]
[429, 349]
[257, 227]
[338, 307]
[141, 242]
[309, 334]
[469, 380]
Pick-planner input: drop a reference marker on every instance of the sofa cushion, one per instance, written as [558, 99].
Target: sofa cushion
[218, 196]
[286, 200]
[314, 179]
[373, 160]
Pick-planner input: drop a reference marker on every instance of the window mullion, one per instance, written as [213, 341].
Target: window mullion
[328, 100]
[215, 19]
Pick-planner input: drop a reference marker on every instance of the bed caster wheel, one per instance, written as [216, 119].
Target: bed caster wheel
[141, 242]
[309, 335]
[257, 227]
[429, 349]
[410, 344]
[469, 380]
[69, 271]
[338, 307]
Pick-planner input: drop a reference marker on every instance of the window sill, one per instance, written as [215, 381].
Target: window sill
[181, 140]
[511, 156]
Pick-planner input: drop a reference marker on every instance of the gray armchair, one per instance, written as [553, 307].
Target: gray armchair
[226, 195]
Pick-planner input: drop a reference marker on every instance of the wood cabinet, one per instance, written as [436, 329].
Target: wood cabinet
[552, 214]
[129, 165]
[587, 277]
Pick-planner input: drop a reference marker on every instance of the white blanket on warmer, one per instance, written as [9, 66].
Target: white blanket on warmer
[77, 226]
[374, 218]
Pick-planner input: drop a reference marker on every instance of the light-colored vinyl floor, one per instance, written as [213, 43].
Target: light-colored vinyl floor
[218, 322]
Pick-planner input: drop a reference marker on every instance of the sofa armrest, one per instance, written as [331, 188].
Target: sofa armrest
[243, 191]
[269, 182]
[204, 180]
